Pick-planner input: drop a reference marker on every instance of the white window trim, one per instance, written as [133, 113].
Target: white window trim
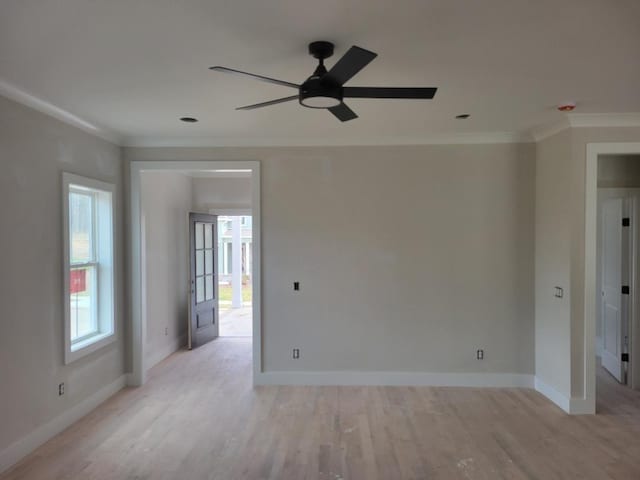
[98, 341]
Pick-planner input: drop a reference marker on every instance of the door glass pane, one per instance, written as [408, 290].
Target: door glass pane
[80, 227]
[208, 235]
[209, 286]
[208, 262]
[83, 302]
[199, 235]
[199, 262]
[199, 289]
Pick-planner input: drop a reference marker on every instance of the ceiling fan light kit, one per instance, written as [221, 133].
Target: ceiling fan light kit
[325, 89]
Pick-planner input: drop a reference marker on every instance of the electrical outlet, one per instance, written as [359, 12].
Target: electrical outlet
[61, 389]
[480, 354]
[296, 286]
[296, 353]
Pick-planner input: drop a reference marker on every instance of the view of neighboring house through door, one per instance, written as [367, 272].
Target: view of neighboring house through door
[235, 275]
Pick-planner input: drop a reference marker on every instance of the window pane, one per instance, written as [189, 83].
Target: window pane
[199, 263]
[83, 302]
[208, 262]
[209, 286]
[199, 289]
[199, 235]
[81, 227]
[208, 235]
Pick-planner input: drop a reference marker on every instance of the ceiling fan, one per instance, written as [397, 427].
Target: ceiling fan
[325, 89]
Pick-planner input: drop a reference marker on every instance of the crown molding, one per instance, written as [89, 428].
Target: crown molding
[436, 139]
[604, 120]
[543, 131]
[20, 96]
[536, 134]
[586, 120]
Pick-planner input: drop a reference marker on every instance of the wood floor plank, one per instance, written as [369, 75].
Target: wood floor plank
[334, 433]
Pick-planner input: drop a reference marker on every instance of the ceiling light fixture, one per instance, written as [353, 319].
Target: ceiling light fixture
[325, 88]
[462, 116]
[189, 119]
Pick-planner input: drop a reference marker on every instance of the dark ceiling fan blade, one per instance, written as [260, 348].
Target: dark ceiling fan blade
[388, 92]
[270, 102]
[253, 75]
[343, 113]
[351, 63]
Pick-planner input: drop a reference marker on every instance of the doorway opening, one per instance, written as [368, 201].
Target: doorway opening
[235, 262]
[188, 211]
[612, 284]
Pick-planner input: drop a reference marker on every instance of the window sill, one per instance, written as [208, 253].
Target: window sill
[87, 346]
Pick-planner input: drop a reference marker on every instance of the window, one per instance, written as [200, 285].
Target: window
[204, 262]
[89, 265]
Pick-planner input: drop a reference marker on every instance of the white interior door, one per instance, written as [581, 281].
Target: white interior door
[612, 258]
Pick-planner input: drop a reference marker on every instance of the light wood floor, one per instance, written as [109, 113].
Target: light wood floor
[199, 418]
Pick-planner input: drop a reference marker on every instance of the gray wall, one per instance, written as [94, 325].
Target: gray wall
[221, 193]
[619, 171]
[34, 151]
[560, 251]
[409, 258]
[166, 202]
[553, 268]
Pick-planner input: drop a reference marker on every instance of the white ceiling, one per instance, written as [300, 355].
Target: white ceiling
[134, 67]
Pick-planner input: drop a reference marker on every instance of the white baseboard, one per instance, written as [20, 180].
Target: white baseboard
[171, 347]
[396, 379]
[554, 395]
[27, 444]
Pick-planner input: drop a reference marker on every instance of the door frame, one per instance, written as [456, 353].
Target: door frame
[138, 328]
[594, 150]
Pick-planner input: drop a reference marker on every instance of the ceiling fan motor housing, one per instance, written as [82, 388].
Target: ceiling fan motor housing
[316, 92]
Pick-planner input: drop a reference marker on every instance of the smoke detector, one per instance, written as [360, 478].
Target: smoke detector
[567, 106]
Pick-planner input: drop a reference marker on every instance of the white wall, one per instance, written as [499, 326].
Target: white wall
[221, 193]
[166, 203]
[34, 151]
[409, 258]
